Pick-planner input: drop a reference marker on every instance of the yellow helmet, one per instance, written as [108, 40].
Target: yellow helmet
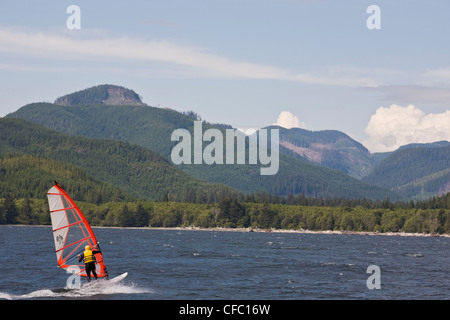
[87, 248]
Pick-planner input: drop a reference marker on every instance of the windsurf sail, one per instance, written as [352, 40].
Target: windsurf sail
[71, 233]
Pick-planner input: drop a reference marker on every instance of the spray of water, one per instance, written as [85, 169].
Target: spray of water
[100, 289]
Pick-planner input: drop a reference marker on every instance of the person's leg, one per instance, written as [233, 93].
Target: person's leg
[88, 272]
[94, 273]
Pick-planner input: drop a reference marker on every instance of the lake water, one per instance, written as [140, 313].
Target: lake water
[204, 265]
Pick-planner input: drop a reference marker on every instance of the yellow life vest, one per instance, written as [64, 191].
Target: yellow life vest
[88, 256]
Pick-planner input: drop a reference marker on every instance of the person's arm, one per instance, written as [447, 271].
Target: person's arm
[96, 249]
[80, 257]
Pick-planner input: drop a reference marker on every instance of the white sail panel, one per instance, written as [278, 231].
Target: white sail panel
[59, 219]
[54, 201]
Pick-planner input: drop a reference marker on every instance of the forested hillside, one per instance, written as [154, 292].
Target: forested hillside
[29, 176]
[136, 171]
[419, 172]
[329, 148]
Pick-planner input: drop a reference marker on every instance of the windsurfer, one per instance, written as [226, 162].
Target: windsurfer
[89, 261]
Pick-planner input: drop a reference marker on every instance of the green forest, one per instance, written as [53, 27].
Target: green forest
[255, 211]
[31, 157]
[113, 162]
[415, 172]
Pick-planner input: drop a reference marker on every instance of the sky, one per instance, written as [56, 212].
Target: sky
[380, 75]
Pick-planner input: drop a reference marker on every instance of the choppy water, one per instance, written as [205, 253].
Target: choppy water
[202, 265]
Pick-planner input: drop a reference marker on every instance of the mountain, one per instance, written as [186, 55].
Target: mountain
[379, 156]
[436, 144]
[152, 128]
[417, 171]
[328, 148]
[135, 170]
[105, 94]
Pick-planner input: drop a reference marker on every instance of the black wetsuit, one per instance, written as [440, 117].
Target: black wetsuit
[90, 266]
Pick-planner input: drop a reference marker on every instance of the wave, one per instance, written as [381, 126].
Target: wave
[86, 290]
[414, 255]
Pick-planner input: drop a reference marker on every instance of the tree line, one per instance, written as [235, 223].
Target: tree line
[431, 216]
[23, 211]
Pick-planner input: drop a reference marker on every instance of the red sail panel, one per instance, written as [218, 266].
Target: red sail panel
[71, 232]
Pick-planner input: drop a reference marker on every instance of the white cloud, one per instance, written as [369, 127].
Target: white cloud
[22, 67]
[195, 60]
[189, 60]
[439, 76]
[248, 131]
[287, 120]
[414, 94]
[390, 128]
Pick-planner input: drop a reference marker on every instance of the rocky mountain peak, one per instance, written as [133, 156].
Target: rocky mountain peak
[102, 94]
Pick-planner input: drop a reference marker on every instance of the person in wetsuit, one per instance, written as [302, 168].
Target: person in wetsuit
[89, 261]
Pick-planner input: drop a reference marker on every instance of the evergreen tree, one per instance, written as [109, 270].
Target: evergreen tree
[141, 216]
[10, 210]
[2, 215]
[125, 219]
[232, 213]
[25, 212]
[266, 217]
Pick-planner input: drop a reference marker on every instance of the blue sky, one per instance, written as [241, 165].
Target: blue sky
[244, 62]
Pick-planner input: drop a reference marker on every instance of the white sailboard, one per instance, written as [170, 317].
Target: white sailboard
[118, 278]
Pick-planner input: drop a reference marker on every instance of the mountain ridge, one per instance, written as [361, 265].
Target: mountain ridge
[316, 157]
[417, 172]
[151, 128]
[329, 148]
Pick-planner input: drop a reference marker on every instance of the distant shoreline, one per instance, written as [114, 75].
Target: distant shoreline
[299, 231]
[302, 231]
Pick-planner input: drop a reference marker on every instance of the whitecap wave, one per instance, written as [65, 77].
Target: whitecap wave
[42, 293]
[414, 255]
[87, 290]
